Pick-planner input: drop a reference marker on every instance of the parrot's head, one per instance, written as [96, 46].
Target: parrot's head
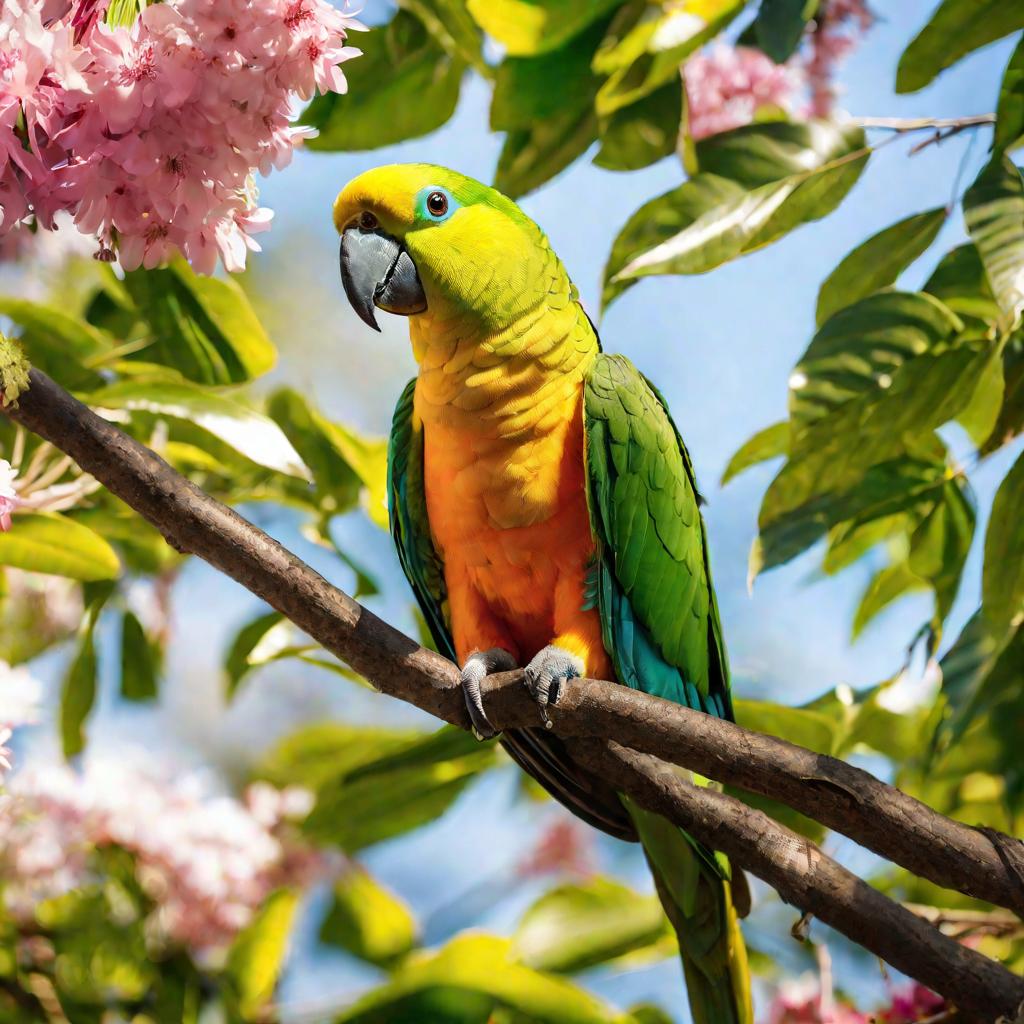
[418, 239]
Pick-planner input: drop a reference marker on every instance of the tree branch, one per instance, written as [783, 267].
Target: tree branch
[194, 522]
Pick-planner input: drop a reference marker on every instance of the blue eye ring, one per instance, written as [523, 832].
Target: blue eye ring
[435, 204]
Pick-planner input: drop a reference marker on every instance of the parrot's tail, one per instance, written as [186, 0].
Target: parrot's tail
[695, 890]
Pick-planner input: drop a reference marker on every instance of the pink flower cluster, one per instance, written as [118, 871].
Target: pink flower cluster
[564, 847]
[20, 695]
[9, 500]
[207, 861]
[150, 136]
[801, 1001]
[837, 28]
[727, 87]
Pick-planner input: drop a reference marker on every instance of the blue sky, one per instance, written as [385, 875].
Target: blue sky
[720, 347]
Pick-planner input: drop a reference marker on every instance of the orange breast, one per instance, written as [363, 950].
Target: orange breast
[510, 518]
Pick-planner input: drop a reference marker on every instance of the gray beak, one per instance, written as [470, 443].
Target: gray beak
[377, 271]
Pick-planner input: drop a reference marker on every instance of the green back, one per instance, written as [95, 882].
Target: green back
[651, 580]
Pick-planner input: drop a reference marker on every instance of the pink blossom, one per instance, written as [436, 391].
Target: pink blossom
[727, 87]
[913, 1003]
[802, 1001]
[564, 847]
[836, 29]
[150, 136]
[20, 695]
[208, 861]
[9, 500]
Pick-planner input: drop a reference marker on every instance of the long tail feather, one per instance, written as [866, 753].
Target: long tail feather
[694, 888]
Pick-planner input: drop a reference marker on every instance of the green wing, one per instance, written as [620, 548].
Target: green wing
[651, 579]
[410, 528]
[536, 751]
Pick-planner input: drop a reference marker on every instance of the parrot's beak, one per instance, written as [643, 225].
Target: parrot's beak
[377, 271]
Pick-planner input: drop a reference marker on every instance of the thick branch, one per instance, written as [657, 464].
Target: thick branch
[194, 522]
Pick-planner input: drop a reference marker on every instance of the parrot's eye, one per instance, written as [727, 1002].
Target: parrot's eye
[437, 204]
[367, 221]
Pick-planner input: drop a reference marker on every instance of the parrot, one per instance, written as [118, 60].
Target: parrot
[545, 513]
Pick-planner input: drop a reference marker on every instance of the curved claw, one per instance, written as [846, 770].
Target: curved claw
[545, 674]
[478, 665]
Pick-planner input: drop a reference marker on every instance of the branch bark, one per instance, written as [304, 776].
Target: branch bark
[592, 711]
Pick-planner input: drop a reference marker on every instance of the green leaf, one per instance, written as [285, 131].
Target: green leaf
[780, 25]
[403, 86]
[980, 415]
[803, 726]
[1009, 131]
[78, 693]
[138, 661]
[861, 349]
[639, 135]
[373, 784]
[832, 160]
[240, 661]
[1002, 586]
[246, 431]
[960, 282]
[450, 24]
[531, 156]
[203, 327]
[58, 546]
[649, 54]
[956, 28]
[436, 987]
[342, 460]
[575, 927]
[1010, 421]
[529, 27]
[994, 212]
[659, 220]
[886, 586]
[368, 921]
[257, 955]
[902, 485]
[766, 444]
[876, 263]
[531, 89]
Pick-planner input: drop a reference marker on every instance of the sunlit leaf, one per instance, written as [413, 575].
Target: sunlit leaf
[574, 927]
[805, 727]
[661, 219]
[54, 544]
[886, 586]
[830, 161]
[374, 784]
[239, 661]
[780, 25]
[877, 263]
[649, 54]
[956, 28]
[367, 920]
[78, 693]
[403, 86]
[960, 282]
[1002, 587]
[468, 979]
[138, 661]
[202, 326]
[1010, 111]
[766, 444]
[528, 27]
[1010, 421]
[530, 89]
[981, 414]
[248, 432]
[994, 212]
[257, 955]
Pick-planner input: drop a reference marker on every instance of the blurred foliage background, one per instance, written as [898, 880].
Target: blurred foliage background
[245, 832]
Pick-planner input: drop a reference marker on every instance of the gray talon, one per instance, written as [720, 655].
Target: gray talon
[545, 675]
[478, 665]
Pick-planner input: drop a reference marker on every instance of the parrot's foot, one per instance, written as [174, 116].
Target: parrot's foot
[478, 665]
[546, 673]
